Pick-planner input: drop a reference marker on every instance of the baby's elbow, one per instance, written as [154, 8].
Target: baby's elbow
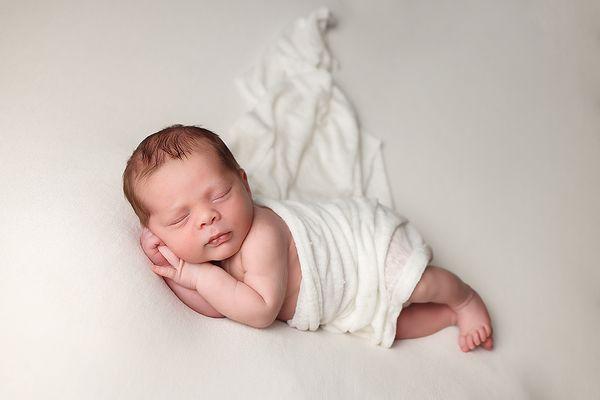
[217, 315]
[263, 325]
[264, 321]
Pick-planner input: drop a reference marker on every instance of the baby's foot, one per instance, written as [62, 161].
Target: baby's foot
[474, 324]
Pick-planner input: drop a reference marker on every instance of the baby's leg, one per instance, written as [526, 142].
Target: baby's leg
[438, 285]
[423, 319]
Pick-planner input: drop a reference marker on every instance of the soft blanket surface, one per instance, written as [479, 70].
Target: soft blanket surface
[489, 115]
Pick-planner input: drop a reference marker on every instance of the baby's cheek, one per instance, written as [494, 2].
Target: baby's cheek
[189, 251]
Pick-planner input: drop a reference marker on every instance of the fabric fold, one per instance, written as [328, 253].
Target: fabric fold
[300, 137]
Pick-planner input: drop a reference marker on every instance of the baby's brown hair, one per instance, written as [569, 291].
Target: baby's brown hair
[176, 142]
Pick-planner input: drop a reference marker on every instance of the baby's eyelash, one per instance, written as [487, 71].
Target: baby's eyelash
[182, 219]
[228, 190]
[176, 222]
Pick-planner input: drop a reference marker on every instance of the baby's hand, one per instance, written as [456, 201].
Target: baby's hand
[150, 243]
[181, 272]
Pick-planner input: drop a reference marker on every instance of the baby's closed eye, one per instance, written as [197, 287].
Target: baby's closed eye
[223, 194]
[179, 220]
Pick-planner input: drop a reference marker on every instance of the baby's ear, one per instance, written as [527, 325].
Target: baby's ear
[245, 180]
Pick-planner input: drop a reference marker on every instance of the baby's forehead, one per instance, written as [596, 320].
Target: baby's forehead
[206, 162]
[194, 176]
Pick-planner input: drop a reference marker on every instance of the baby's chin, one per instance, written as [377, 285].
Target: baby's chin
[222, 255]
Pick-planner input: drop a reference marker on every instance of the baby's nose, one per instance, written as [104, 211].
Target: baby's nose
[203, 224]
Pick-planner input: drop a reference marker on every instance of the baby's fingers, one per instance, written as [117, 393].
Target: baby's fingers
[158, 259]
[167, 272]
[169, 255]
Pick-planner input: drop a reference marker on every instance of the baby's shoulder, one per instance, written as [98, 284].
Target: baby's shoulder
[268, 230]
[266, 223]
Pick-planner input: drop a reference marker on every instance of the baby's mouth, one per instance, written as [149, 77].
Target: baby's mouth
[217, 240]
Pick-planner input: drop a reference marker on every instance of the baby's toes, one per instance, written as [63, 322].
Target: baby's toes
[462, 343]
[488, 344]
[476, 339]
[488, 330]
[470, 342]
[482, 334]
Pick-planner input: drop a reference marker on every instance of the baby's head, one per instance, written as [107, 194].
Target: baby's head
[186, 187]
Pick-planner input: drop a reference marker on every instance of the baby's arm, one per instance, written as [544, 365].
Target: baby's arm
[258, 299]
[193, 300]
[190, 298]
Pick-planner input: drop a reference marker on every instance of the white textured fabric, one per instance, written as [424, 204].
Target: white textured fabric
[407, 257]
[300, 138]
[342, 246]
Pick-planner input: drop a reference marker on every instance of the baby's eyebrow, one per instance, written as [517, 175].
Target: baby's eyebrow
[174, 211]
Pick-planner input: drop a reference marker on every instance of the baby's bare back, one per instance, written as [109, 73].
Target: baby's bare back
[254, 243]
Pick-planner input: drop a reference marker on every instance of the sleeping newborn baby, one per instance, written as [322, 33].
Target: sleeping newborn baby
[348, 265]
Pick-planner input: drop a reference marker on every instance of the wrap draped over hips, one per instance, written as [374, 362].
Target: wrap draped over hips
[347, 286]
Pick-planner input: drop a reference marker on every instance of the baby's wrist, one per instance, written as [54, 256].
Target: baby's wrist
[203, 276]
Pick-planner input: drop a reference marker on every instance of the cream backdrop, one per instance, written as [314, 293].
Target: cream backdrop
[489, 112]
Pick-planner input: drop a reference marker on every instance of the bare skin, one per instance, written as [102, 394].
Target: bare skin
[235, 267]
[444, 300]
[220, 253]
